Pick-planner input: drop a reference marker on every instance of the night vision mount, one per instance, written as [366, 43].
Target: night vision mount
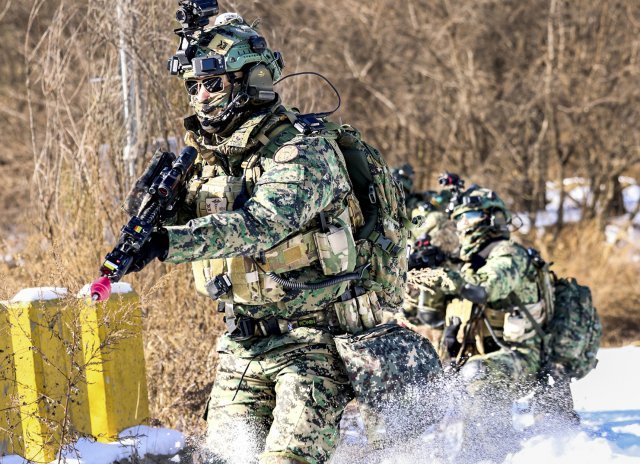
[193, 16]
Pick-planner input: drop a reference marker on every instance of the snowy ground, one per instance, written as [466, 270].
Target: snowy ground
[134, 442]
[608, 401]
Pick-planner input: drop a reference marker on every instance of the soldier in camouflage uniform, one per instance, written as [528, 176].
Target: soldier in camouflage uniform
[268, 231]
[404, 176]
[485, 330]
[435, 244]
[435, 209]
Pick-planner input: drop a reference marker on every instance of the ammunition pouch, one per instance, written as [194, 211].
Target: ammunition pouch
[358, 310]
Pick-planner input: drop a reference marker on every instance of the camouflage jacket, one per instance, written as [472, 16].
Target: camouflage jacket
[301, 176]
[505, 272]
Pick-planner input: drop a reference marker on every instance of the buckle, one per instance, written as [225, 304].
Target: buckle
[246, 328]
[372, 194]
[218, 286]
[269, 326]
[386, 244]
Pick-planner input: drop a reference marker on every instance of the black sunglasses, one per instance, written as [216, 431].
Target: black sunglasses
[213, 85]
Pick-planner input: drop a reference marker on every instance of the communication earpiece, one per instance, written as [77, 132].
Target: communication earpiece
[259, 84]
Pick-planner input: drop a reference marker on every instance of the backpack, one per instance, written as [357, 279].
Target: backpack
[381, 235]
[574, 331]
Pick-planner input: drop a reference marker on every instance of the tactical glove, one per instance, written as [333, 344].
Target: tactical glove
[474, 293]
[156, 247]
[450, 336]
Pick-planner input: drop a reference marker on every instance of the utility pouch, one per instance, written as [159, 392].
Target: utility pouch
[369, 310]
[348, 316]
[336, 249]
[358, 310]
[517, 327]
[394, 373]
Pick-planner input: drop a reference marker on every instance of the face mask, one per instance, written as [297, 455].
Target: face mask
[214, 105]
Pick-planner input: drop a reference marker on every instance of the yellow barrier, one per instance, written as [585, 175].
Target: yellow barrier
[40, 366]
[113, 353]
[10, 429]
[74, 367]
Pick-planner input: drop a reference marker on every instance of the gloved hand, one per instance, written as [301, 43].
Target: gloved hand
[435, 280]
[474, 293]
[431, 317]
[156, 247]
[449, 338]
[397, 318]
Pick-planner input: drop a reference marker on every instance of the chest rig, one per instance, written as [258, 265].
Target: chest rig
[506, 320]
[326, 244]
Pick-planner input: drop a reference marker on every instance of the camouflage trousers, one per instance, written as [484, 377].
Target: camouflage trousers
[285, 404]
[507, 370]
[490, 385]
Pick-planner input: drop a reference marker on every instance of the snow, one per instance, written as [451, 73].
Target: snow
[135, 441]
[29, 295]
[577, 193]
[607, 400]
[117, 287]
[609, 406]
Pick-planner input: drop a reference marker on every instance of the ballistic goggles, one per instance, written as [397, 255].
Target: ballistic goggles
[469, 218]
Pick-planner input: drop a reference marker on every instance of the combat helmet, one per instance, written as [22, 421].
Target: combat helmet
[480, 217]
[404, 177]
[233, 63]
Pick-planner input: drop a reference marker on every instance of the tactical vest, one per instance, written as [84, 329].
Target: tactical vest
[509, 324]
[252, 279]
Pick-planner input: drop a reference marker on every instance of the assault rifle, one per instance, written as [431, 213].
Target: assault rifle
[426, 255]
[150, 203]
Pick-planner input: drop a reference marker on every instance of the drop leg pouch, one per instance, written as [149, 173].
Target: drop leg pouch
[386, 365]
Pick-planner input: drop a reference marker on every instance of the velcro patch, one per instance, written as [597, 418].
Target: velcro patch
[215, 205]
[221, 44]
[286, 154]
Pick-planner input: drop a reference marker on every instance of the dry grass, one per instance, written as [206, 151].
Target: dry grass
[469, 98]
